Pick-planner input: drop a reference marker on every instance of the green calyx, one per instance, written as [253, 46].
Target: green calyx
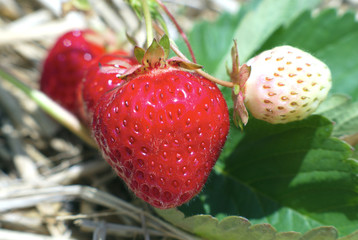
[157, 54]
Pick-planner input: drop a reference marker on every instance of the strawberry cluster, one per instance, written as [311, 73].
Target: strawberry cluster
[157, 123]
[160, 125]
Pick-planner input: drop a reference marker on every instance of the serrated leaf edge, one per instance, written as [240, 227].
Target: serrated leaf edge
[177, 218]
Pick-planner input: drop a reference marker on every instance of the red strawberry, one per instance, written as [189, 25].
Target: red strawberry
[163, 130]
[102, 76]
[65, 66]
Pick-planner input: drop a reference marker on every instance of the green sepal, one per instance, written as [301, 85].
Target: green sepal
[139, 53]
[154, 56]
[131, 39]
[131, 70]
[234, 74]
[165, 43]
[238, 122]
[239, 75]
[240, 114]
[244, 74]
[179, 62]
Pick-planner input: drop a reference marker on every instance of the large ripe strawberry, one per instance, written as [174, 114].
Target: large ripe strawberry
[163, 130]
[285, 84]
[65, 66]
[102, 75]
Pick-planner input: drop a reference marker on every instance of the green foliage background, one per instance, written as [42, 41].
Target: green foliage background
[292, 181]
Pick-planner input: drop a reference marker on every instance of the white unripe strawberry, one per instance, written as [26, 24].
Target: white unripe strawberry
[285, 84]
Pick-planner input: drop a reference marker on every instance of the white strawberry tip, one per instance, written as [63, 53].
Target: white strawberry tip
[156, 57]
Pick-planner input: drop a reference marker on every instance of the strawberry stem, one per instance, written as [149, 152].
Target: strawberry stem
[214, 79]
[60, 114]
[148, 22]
[180, 30]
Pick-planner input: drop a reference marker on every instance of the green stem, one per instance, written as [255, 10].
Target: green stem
[60, 114]
[148, 22]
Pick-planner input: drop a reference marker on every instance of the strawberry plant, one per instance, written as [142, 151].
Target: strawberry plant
[296, 176]
[261, 150]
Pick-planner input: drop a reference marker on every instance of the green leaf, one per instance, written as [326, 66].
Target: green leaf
[208, 227]
[323, 233]
[288, 236]
[293, 176]
[238, 228]
[330, 37]
[257, 26]
[343, 112]
[251, 26]
[353, 236]
[210, 41]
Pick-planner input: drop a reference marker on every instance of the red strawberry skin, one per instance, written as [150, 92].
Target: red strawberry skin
[102, 75]
[162, 133]
[66, 65]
